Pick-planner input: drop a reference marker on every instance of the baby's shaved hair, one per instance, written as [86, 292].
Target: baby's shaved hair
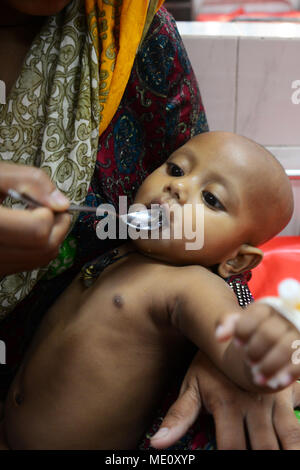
[268, 188]
[273, 205]
[271, 198]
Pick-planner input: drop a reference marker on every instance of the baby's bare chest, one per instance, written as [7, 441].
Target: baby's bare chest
[130, 294]
[128, 298]
[121, 321]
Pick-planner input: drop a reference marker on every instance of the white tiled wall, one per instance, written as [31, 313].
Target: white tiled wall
[218, 89]
[245, 73]
[266, 70]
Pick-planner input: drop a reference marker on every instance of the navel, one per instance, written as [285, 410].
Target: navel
[118, 301]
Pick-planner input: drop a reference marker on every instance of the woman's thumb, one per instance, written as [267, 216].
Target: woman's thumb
[180, 417]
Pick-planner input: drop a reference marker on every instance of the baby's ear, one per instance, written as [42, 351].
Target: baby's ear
[246, 259]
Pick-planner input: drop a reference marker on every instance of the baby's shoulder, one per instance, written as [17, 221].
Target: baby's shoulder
[176, 273]
[191, 272]
[194, 279]
[165, 280]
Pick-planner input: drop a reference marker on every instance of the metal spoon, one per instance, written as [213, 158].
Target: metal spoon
[150, 219]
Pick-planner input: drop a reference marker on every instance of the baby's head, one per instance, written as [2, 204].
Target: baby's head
[246, 194]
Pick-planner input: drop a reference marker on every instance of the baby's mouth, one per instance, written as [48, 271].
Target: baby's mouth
[167, 216]
[163, 214]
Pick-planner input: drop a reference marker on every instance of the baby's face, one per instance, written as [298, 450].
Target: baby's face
[208, 171]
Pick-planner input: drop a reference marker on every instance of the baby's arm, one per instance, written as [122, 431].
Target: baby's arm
[268, 340]
[204, 299]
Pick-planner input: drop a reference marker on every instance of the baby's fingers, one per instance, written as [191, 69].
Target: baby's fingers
[267, 334]
[242, 326]
[285, 377]
[251, 320]
[226, 326]
[276, 369]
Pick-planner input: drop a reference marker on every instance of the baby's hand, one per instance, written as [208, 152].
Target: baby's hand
[268, 341]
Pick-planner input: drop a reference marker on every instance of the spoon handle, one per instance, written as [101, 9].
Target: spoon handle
[130, 219]
[29, 200]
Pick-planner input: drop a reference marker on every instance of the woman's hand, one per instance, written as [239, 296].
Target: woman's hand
[269, 418]
[30, 238]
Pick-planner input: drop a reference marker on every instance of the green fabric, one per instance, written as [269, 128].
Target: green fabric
[297, 413]
[65, 259]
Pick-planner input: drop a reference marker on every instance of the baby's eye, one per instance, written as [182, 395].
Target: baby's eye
[212, 201]
[174, 170]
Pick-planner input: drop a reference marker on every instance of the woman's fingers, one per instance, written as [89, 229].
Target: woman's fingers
[21, 228]
[30, 238]
[39, 228]
[59, 230]
[286, 424]
[182, 414]
[34, 249]
[260, 426]
[289, 430]
[295, 388]
[229, 424]
[32, 181]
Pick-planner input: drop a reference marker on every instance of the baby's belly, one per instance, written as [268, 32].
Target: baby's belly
[89, 381]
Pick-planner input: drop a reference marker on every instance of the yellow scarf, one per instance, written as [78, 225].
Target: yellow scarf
[117, 28]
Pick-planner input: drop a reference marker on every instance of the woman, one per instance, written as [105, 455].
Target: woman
[105, 94]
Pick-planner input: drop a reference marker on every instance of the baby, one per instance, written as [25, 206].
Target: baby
[104, 355]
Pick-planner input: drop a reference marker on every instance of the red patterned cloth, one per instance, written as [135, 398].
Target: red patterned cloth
[160, 110]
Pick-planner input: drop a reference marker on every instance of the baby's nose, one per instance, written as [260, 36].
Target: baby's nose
[178, 191]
